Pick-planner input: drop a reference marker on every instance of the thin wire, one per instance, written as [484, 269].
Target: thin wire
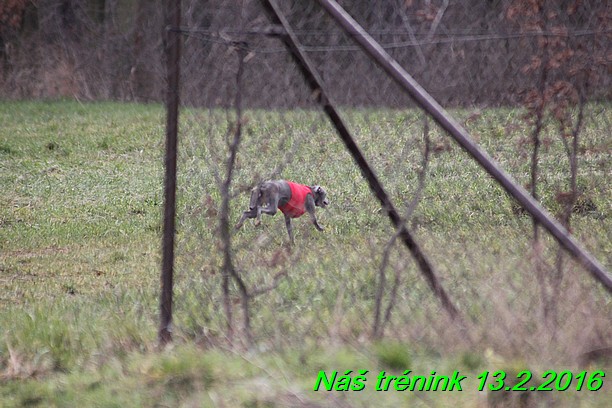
[394, 32]
[217, 37]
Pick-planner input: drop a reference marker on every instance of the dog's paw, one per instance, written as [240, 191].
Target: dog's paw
[238, 226]
[257, 223]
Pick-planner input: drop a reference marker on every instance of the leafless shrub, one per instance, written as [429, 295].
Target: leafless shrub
[379, 325]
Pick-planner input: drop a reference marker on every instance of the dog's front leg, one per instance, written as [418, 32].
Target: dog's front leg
[310, 209]
[289, 229]
[315, 223]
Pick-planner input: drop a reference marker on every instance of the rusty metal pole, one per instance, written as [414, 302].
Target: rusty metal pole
[461, 136]
[316, 84]
[172, 52]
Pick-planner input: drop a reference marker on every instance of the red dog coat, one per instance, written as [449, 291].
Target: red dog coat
[296, 206]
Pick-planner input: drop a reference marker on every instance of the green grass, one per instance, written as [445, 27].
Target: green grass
[80, 215]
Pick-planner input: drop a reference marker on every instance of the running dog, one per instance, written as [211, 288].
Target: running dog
[291, 198]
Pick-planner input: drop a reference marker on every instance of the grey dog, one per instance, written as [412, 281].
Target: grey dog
[291, 198]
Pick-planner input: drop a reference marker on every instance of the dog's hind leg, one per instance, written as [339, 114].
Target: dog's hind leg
[255, 195]
[247, 214]
[252, 212]
[268, 202]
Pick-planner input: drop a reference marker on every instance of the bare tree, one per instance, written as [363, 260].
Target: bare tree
[379, 324]
[563, 71]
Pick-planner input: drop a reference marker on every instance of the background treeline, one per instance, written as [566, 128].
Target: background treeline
[464, 52]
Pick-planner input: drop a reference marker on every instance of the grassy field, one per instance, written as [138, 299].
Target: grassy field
[80, 215]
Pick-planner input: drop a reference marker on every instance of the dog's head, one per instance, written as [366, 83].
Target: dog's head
[320, 196]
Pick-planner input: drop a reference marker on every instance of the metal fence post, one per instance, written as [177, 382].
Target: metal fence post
[171, 36]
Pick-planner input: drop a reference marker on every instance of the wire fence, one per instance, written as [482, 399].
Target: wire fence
[479, 45]
[56, 48]
[515, 77]
[529, 80]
